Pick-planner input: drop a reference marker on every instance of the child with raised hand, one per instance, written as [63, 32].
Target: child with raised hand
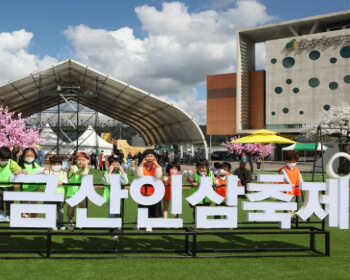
[148, 165]
[29, 166]
[172, 169]
[202, 170]
[292, 176]
[56, 169]
[75, 175]
[7, 167]
[115, 167]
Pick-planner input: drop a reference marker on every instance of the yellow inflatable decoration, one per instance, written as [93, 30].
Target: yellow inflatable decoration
[122, 145]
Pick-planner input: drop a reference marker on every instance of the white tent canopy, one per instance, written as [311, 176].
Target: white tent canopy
[91, 140]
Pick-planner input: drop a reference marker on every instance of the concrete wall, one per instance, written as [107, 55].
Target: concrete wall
[290, 99]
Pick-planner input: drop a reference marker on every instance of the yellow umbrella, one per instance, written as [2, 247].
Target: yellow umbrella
[266, 137]
[263, 131]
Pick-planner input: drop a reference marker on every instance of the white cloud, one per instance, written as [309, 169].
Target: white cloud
[178, 51]
[15, 60]
[188, 101]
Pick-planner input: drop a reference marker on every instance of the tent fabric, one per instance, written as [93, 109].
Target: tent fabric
[91, 139]
[157, 121]
[304, 147]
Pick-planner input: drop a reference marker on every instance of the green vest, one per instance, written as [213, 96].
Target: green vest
[31, 170]
[197, 180]
[60, 189]
[75, 179]
[5, 174]
[107, 189]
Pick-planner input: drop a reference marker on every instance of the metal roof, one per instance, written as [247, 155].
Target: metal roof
[157, 121]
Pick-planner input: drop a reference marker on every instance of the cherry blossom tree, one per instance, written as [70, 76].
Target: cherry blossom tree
[334, 123]
[253, 149]
[13, 131]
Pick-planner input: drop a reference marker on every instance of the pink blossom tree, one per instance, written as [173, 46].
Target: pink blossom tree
[253, 149]
[13, 131]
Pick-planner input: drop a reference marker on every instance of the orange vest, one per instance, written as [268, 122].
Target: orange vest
[221, 190]
[167, 194]
[294, 178]
[147, 190]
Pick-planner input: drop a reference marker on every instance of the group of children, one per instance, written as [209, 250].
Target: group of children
[148, 165]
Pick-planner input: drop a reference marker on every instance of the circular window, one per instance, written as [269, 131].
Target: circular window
[333, 85]
[333, 60]
[273, 61]
[314, 82]
[314, 55]
[326, 107]
[296, 90]
[288, 81]
[278, 90]
[273, 113]
[288, 62]
[347, 79]
[285, 110]
[345, 52]
[301, 112]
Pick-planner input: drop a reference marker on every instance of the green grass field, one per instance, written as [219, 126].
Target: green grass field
[129, 266]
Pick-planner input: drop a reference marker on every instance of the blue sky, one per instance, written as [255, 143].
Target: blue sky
[166, 48]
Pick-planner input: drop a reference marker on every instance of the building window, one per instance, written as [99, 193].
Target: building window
[347, 79]
[289, 81]
[296, 90]
[345, 52]
[278, 90]
[288, 62]
[285, 110]
[314, 55]
[314, 82]
[301, 112]
[273, 61]
[273, 113]
[333, 60]
[326, 107]
[333, 85]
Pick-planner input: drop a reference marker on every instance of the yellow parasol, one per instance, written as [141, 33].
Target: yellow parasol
[264, 139]
[263, 136]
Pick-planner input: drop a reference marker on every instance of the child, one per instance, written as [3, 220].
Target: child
[148, 165]
[7, 167]
[75, 175]
[172, 169]
[292, 176]
[202, 170]
[29, 166]
[220, 179]
[56, 169]
[115, 167]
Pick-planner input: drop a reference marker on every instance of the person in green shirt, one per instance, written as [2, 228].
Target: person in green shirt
[75, 176]
[115, 167]
[29, 166]
[7, 167]
[56, 169]
[202, 170]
